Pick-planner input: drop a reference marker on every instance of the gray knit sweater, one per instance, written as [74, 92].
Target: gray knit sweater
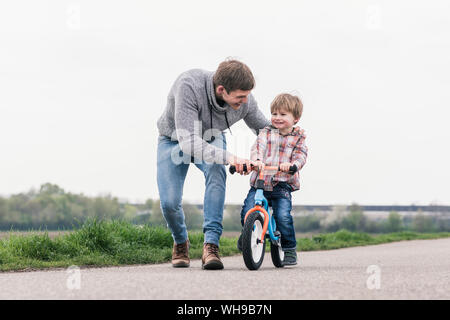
[192, 106]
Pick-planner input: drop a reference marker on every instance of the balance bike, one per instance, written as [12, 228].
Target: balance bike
[258, 223]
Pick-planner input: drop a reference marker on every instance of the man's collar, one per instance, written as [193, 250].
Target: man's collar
[295, 131]
[211, 92]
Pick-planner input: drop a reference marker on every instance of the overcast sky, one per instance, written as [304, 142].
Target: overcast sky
[82, 84]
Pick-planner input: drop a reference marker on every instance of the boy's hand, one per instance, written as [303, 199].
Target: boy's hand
[259, 164]
[285, 166]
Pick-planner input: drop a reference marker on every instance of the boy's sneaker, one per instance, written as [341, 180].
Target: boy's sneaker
[290, 257]
[239, 243]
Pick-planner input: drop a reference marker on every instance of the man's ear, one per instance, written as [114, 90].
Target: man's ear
[220, 89]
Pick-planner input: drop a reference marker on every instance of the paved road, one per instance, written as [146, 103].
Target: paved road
[402, 270]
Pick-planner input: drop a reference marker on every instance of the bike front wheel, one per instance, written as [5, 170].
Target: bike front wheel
[253, 247]
[277, 255]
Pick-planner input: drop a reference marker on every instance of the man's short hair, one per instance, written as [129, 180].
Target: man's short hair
[234, 75]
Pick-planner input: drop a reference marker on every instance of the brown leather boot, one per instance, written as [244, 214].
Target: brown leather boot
[210, 257]
[180, 255]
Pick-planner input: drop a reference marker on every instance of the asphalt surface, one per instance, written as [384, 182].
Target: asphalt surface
[417, 269]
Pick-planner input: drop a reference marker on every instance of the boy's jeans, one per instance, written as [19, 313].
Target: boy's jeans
[171, 176]
[280, 200]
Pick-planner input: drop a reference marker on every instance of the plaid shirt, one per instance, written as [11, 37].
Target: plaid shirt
[272, 149]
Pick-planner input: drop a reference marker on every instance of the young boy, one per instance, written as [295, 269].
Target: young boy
[281, 144]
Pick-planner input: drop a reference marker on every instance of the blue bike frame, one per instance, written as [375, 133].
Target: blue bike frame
[260, 200]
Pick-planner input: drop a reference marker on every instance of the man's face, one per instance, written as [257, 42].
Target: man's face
[234, 98]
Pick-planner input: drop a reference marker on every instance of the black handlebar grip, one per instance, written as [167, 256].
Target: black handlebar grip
[233, 168]
[293, 169]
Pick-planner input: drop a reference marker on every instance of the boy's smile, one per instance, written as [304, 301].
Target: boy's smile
[283, 120]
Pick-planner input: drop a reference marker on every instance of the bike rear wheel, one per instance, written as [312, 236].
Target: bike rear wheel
[253, 247]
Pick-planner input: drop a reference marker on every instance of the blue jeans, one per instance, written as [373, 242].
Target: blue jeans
[171, 176]
[281, 201]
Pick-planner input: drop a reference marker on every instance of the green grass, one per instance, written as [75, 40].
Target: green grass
[113, 243]
[344, 239]
[98, 243]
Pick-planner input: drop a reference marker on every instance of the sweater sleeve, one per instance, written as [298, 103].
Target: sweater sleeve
[188, 127]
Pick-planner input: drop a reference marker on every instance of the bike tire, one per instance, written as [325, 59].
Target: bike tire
[252, 251]
[277, 255]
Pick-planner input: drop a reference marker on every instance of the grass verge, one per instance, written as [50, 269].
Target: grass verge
[113, 243]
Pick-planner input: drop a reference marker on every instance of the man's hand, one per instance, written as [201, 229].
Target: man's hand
[285, 166]
[239, 163]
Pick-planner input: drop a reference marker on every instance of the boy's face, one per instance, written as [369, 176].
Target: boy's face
[283, 119]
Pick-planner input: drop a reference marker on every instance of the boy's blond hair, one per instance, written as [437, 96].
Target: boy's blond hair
[288, 102]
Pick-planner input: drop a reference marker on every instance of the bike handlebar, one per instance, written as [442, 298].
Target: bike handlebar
[292, 169]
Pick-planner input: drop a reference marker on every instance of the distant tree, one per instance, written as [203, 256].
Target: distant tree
[355, 220]
[232, 218]
[129, 212]
[106, 207]
[421, 223]
[193, 217]
[49, 188]
[156, 217]
[305, 223]
[373, 226]
[52, 208]
[3, 208]
[149, 204]
[394, 222]
[443, 224]
[333, 221]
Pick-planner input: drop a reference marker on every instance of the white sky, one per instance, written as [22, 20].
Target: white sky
[82, 84]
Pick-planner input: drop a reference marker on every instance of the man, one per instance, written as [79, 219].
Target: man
[200, 106]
